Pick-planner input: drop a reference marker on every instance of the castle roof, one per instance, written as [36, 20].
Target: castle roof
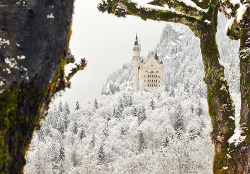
[136, 40]
[156, 57]
[136, 46]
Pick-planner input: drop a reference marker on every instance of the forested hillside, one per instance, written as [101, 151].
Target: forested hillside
[140, 133]
[165, 131]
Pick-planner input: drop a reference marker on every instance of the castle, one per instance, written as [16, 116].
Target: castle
[148, 75]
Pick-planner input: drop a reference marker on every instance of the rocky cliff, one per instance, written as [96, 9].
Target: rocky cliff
[34, 36]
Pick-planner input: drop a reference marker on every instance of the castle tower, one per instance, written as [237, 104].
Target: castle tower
[136, 64]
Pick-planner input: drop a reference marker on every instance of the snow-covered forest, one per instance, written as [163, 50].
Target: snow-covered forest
[165, 131]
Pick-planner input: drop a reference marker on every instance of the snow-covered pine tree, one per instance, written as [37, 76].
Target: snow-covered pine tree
[82, 134]
[152, 104]
[96, 104]
[141, 115]
[142, 145]
[60, 106]
[77, 106]
[178, 122]
[101, 154]
[75, 128]
[92, 142]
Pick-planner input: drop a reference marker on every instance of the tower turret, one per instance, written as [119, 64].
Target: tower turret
[136, 48]
[136, 63]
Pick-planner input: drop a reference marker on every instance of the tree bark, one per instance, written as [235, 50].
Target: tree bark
[42, 42]
[220, 105]
[241, 152]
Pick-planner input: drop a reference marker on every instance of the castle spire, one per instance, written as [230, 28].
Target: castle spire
[136, 40]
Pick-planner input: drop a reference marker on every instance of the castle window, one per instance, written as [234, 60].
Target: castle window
[157, 71]
[156, 80]
[151, 65]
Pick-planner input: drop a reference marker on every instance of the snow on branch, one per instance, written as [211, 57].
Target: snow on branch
[144, 4]
[184, 6]
[236, 11]
[241, 11]
[145, 9]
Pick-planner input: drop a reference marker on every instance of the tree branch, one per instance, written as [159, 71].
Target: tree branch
[191, 9]
[238, 13]
[121, 8]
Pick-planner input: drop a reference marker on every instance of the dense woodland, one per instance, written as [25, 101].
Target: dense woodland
[165, 131]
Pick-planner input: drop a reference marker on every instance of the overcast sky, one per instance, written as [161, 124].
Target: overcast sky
[106, 41]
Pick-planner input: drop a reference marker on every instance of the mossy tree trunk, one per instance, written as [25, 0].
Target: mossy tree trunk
[24, 98]
[241, 152]
[220, 104]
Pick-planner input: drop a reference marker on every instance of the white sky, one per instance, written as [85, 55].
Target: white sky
[106, 41]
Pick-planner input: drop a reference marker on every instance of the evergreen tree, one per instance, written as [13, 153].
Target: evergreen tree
[135, 112]
[142, 145]
[199, 109]
[61, 152]
[101, 154]
[82, 134]
[178, 121]
[165, 142]
[192, 108]
[130, 100]
[62, 119]
[75, 128]
[141, 115]
[96, 104]
[66, 116]
[55, 156]
[60, 106]
[166, 88]
[123, 132]
[121, 105]
[74, 158]
[159, 96]
[106, 131]
[117, 113]
[77, 106]
[67, 111]
[39, 161]
[92, 142]
[172, 92]
[186, 87]
[152, 104]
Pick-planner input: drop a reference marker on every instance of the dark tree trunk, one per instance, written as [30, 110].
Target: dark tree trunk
[241, 152]
[220, 104]
[37, 33]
